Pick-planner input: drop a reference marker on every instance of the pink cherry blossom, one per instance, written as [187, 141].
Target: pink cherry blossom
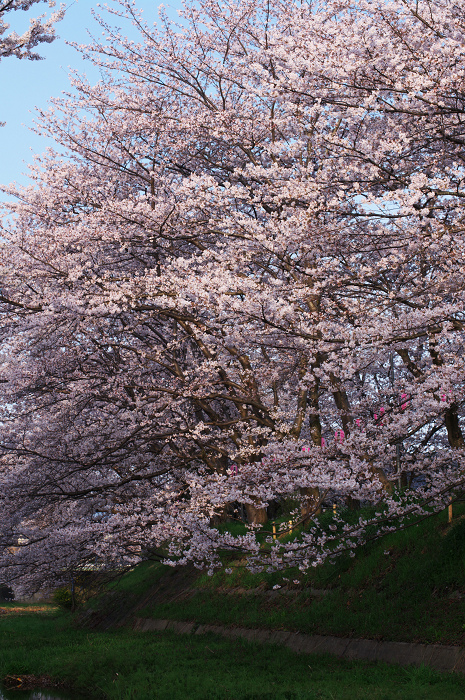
[248, 236]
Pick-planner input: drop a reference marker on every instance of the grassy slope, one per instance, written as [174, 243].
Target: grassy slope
[121, 665]
[398, 588]
[410, 586]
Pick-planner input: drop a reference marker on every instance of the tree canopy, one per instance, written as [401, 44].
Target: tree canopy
[243, 282]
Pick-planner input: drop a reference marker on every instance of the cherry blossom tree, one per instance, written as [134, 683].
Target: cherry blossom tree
[239, 278]
[40, 30]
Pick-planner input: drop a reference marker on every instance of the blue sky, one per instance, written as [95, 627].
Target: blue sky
[27, 84]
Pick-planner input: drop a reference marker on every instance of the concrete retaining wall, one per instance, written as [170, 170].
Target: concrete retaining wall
[443, 658]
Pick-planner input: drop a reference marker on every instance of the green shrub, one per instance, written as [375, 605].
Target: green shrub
[62, 597]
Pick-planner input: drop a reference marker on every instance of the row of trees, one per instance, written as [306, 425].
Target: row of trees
[249, 238]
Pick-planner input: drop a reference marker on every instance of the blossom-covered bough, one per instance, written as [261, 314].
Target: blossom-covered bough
[249, 239]
[41, 30]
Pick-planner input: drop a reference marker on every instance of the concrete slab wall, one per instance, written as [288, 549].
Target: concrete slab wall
[441, 657]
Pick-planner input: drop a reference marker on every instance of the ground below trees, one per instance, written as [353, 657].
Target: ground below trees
[409, 586]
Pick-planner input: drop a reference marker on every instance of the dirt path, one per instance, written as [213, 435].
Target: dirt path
[26, 609]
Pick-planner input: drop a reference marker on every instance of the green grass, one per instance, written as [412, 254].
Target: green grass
[123, 665]
[140, 578]
[398, 588]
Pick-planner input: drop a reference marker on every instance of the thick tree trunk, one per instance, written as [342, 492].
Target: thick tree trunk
[310, 502]
[386, 484]
[311, 496]
[352, 503]
[451, 419]
[454, 432]
[255, 516]
[220, 517]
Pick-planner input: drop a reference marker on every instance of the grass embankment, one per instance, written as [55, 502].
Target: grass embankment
[409, 586]
[122, 665]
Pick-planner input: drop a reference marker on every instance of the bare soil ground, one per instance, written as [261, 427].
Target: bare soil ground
[17, 609]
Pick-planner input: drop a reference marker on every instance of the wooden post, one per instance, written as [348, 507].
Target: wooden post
[449, 518]
[274, 531]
